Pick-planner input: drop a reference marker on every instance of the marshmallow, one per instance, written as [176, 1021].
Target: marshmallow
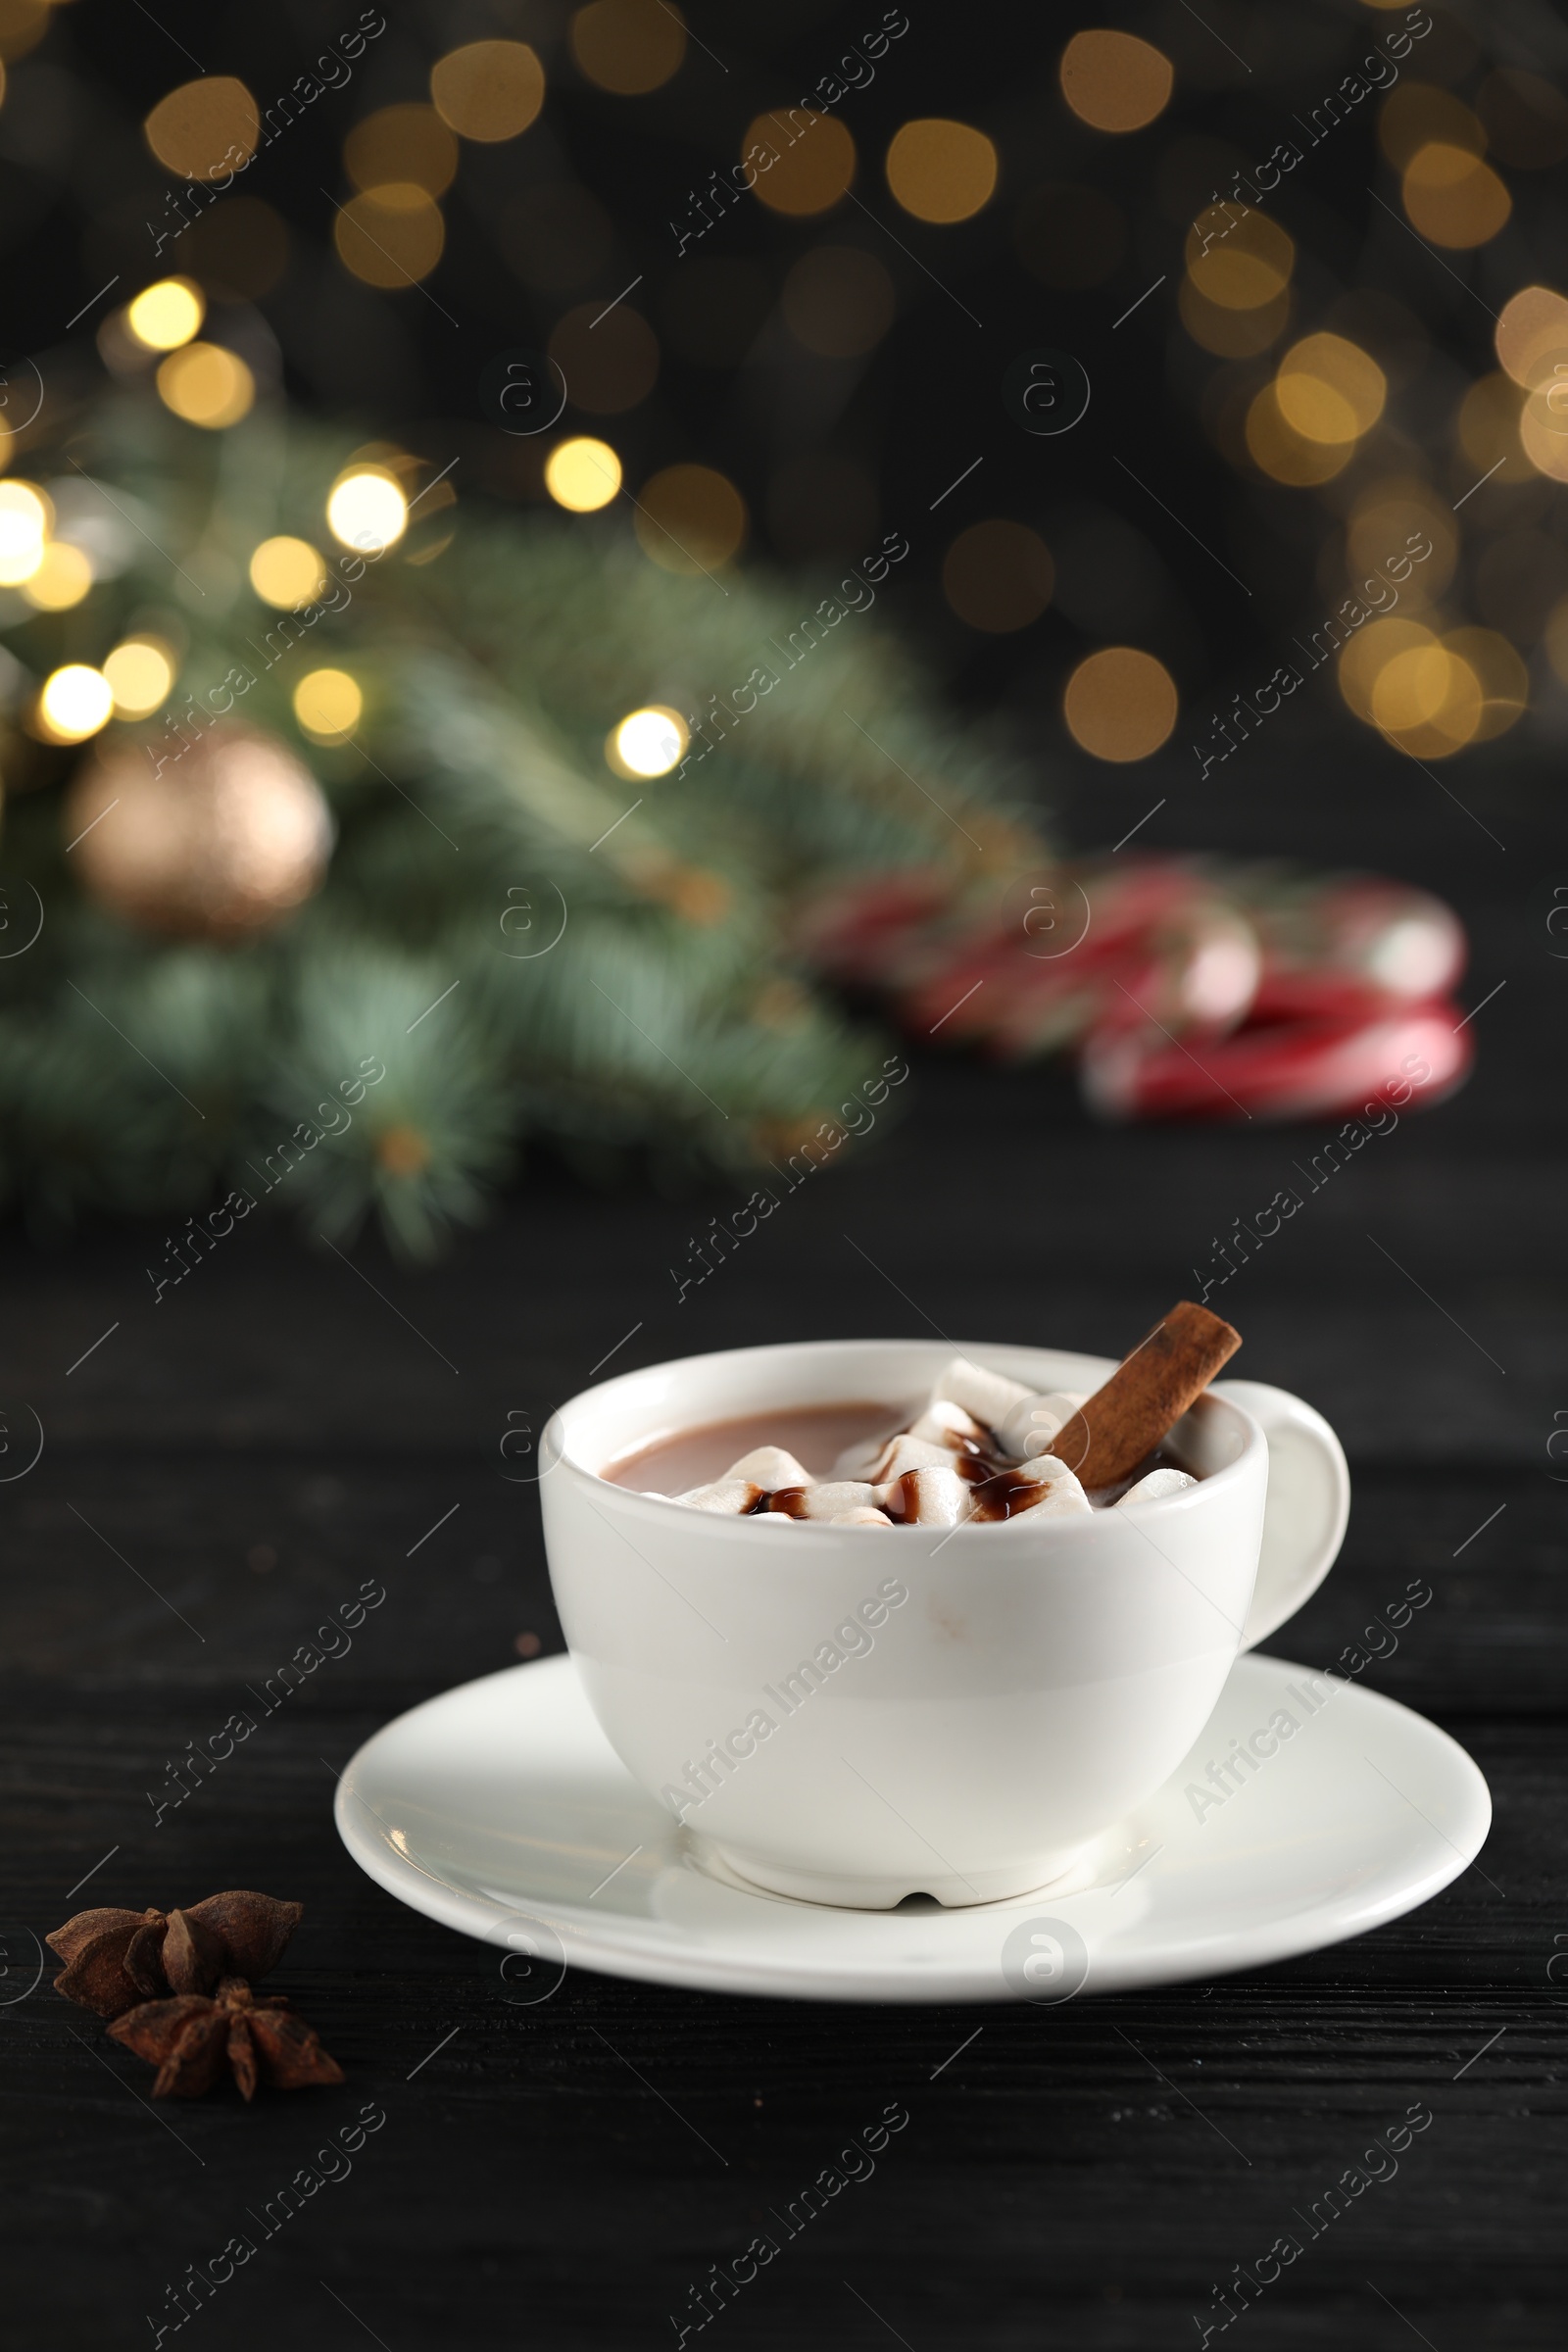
[1064, 1496]
[914, 1478]
[945, 1424]
[1031, 1429]
[770, 1467]
[926, 1498]
[733, 1495]
[1157, 1484]
[830, 1499]
[902, 1453]
[1045, 1466]
[987, 1394]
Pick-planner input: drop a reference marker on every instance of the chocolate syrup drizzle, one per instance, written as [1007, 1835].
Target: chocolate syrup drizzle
[1000, 1489]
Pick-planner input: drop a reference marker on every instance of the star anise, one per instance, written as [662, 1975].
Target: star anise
[116, 1959]
[190, 2039]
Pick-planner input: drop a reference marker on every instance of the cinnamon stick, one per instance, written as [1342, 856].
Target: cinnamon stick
[1145, 1396]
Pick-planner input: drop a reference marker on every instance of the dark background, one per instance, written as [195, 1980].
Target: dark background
[274, 1433]
[1202, 560]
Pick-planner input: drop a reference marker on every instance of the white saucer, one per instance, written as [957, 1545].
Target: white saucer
[500, 1808]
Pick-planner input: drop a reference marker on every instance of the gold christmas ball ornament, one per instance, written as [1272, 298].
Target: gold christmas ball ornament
[220, 841]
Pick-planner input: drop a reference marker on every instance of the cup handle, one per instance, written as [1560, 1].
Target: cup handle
[1307, 1507]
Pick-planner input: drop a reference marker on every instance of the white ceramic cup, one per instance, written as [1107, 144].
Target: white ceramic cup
[830, 1740]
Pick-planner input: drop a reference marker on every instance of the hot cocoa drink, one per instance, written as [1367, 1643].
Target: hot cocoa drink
[980, 1448]
[815, 1435]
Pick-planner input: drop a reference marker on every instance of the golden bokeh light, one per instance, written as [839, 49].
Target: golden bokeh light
[365, 509]
[74, 703]
[1387, 526]
[205, 130]
[140, 672]
[286, 572]
[1329, 391]
[1238, 259]
[1453, 198]
[690, 519]
[61, 580]
[647, 743]
[812, 166]
[610, 365]
[22, 26]
[488, 90]
[628, 46]
[1285, 454]
[164, 316]
[1417, 113]
[1370, 652]
[838, 301]
[1488, 429]
[1428, 703]
[400, 143]
[1544, 427]
[1120, 704]
[1232, 335]
[207, 385]
[1531, 335]
[1501, 674]
[998, 576]
[582, 474]
[1114, 81]
[942, 171]
[1427, 700]
[328, 704]
[1430, 696]
[1312, 407]
[27, 518]
[391, 235]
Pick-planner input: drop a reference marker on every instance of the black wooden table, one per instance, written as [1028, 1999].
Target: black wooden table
[220, 1470]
